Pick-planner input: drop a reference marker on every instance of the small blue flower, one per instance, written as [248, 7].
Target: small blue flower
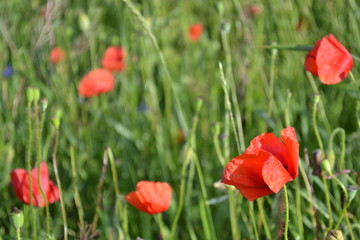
[8, 71]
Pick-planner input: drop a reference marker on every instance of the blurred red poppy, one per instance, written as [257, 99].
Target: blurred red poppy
[96, 82]
[329, 60]
[114, 59]
[20, 182]
[195, 31]
[254, 10]
[150, 197]
[57, 55]
[266, 166]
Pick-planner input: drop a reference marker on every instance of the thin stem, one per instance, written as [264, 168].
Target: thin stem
[38, 133]
[271, 84]
[286, 227]
[228, 105]
[76, 190]
[168, 86]
[29, 172]
[327, 200]
[188, 156]
[346, 205]
[54, 158]
[234, 99]
[357, 108]
[98, 192]
[343, 138]
[18, 237]
[117, 190]
[252, 216]
[260, 205]
[159, 220]
[317, 134]
[287, 109]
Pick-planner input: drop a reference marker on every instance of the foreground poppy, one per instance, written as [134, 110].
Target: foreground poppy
[150, 197]
[57, 55]
[266, 166]
[195, 31]
[96, 82]
[329, 60]
[114, 59]
[20, 182]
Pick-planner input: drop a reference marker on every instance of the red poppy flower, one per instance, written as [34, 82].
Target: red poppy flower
[266, 166]
[150, 197]
[254, 10]
[329, 60]
[57, 55]
[195, 31]
[114, 59]
[96, 82]
[20, 182]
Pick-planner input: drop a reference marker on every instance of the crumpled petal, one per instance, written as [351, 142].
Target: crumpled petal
[151, 197]
[329, 60]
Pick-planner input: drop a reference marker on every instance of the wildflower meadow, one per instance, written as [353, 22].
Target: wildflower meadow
[178, 120]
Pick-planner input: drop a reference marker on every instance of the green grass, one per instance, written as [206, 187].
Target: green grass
[168, 78]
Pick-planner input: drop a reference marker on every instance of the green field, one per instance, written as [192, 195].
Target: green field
[178, 112]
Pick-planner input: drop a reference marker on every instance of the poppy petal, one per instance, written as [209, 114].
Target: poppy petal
[275, 175]
[291, 143]
[333, 61]
[134, 200]
[267, 142]
[252, 193]
[245, 170]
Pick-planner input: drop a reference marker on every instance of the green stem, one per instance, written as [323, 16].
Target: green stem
[159, 220]
[327, 200]
[38, 133]
[98, 192]
[317, 134]
[18, 237]
[168, 86]
[188, 155]
[117, 190]
[286, 227]
[252, 216]
[357, 108]
[76, 190]
[287, 109]
[54, 158]
[29, 172]
[260, 205]
[345, 207]
[343, 138]
[272, 80]
[233, 88]
[228, 106]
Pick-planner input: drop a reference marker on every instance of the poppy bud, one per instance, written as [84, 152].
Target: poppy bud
[220, 8]
[334, 235]
[44, 103]
[316, 98]
[316, 159]
[325, 165]
[17, 218]
[84, 22]
[225, 26]
[331, 157]
[36, 94]
[30, 95]
[199, 104]
[352, 192]
[55, 121]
